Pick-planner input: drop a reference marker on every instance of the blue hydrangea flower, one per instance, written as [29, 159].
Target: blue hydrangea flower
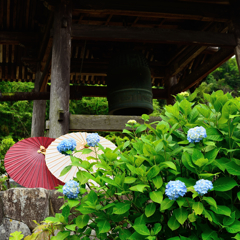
[66, 144]
[93, 139]
[196, 134]
[71, 189]
[202, 186]
[175, 189]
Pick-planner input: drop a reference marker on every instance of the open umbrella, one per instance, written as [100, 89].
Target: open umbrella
[25, 163]
[56, 161]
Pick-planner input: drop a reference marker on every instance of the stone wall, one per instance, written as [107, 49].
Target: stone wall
[19, 206]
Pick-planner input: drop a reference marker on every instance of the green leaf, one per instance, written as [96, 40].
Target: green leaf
[233, 168]
[196, 155]
[65, 170]
[150, 209]
[126, 144]
[166, 204]
[173, 224]
[157, 228]
[168, 164]
[121, 208]
[82, 178]
[141, 128]
[82, 221]
[108, 206]
[222, 210]
[71, 227]
[234, 228]
[181, 215]
[142, 229]
[104, 226]
[229, 220]
[124, 234]
[62, 235]
[209, 235]
[92, 197]
[207, 215]
[185, 107]
[210, 201]
[16, 236]
[86, 151]
[153, 172]
[224, 184]
[129, 180]
[193, 116]
[198, 208]
[157, 181]
[156, 196]
[111, 182]
[139, 188]
[52, 219]
[214, 134]
[192, 217]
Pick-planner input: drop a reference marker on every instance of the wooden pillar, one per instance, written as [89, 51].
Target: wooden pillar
[171, 82]
[236, 24]
[60, 72]
[39, 110]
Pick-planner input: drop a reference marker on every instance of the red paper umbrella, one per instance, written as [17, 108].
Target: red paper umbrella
[25, 163]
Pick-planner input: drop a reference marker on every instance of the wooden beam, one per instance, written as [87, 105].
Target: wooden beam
[154, 35]
[39, 110]
[100, 66]
[102, 122]
[16, 38]
[201, 72]
[157, 9]
[76, 93]
[60, 73]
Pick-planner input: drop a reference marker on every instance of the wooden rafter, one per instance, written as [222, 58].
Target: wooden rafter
[16, 38]
[201, 72]
[117, 33]
[159, 9]
[76, 92]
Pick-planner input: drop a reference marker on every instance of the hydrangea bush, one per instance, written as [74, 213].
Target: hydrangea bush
[176, 179]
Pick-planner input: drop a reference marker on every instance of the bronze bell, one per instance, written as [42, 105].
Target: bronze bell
[129, 85]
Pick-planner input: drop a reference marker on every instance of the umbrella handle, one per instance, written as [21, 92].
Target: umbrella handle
[42, 150]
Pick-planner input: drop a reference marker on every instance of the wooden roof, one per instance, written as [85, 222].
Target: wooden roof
[182, 38]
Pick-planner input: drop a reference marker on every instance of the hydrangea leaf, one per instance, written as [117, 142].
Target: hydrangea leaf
[121, 208]
[156, 196]
[233, 168]
[153, 172]
[198, 208]
[192, 217]
[224, 184]
[214, 134]
[65, 170]
[142, 229]
[173, 224]
[150, 209]
[157, 181]
[104, 226]
[234, 228]
[222, 210]
[181, 214]
[129, 180]
[229, 220]
[157, 228]
[210, 201]
[139, 188]
[166, 204]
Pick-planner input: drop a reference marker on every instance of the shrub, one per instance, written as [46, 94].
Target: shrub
[136, 182]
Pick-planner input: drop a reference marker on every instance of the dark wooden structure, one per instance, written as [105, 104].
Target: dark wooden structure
[71, 42]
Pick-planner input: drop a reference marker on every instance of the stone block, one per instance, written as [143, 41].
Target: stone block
[1, 209]
[9, 226]
[26, 204]
[55, 202]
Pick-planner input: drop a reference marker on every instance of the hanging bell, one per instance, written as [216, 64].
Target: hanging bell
[129, 85]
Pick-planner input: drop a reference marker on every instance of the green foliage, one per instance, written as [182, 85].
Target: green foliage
[128, 199]
[5, 144]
